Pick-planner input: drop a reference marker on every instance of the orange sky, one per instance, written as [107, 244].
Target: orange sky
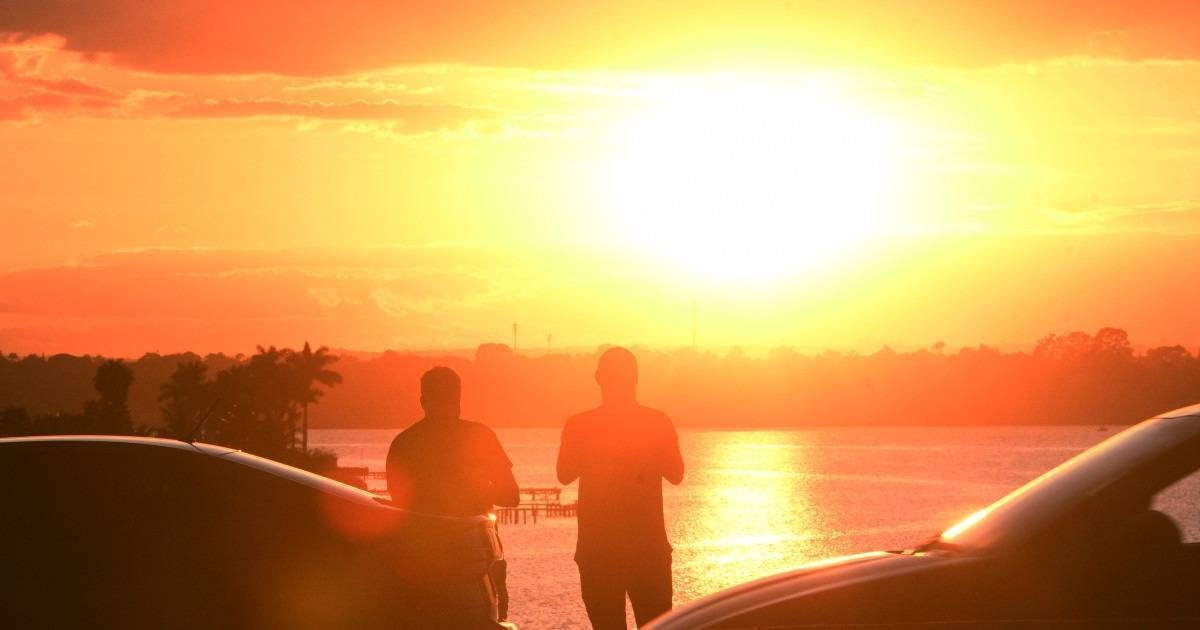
[212, 175]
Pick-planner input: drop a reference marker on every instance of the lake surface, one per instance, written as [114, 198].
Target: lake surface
[754, 503]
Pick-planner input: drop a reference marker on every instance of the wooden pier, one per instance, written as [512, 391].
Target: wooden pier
[536, 503]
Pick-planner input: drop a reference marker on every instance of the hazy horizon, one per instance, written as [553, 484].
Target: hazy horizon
[1070, 378]
[752, 351]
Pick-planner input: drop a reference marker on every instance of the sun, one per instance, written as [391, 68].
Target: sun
[747, 181]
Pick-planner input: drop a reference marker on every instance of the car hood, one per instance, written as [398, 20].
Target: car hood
[808, 579]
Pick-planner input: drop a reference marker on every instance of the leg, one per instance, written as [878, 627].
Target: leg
[603, 595]
[650, 588]
[499, 575]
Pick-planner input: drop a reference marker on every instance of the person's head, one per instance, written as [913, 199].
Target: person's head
[617, 374]
[441, 392]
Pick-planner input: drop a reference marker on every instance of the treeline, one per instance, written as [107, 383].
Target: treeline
[1076, 378]
[259, 403]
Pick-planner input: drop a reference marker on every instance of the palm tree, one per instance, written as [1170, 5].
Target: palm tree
[311, 369]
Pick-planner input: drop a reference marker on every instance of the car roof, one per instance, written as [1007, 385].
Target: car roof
[1182, 412]
[1055, 492]
[270, 466]
[209, 449]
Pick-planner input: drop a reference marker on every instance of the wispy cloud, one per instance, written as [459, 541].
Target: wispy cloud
[24, 69]
[1171, 217]
[404, 118]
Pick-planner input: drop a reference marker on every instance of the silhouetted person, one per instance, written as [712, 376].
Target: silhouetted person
[620, 452]
[443, 464]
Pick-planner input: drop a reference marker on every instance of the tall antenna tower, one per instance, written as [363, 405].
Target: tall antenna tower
[514, 337]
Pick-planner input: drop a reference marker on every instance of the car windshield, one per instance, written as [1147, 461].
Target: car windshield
[1042, 501]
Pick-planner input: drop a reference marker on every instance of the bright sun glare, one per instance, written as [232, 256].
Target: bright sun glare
[749, 182]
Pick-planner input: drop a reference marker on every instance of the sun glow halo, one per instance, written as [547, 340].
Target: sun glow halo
[749, 182]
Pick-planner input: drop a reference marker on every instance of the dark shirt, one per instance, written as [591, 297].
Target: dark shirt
[448, 467]
[621, 456]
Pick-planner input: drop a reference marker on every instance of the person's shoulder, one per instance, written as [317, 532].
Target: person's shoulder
[656, 421]
[654, 415]
[581, 422]
[407, 435]
[476, 428]
[584, 417]
[478, 433]
[406, 432]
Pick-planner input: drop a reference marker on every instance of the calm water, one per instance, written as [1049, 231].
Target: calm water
[758, 502]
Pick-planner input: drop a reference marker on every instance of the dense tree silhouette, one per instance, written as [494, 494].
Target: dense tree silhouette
[15, 421]
[110, 413]
[256, 410]
[112, 382]
[1072, 378]
[185, 397]
[255, 403]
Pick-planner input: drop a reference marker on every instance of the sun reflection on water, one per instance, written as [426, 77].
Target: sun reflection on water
[755, 516]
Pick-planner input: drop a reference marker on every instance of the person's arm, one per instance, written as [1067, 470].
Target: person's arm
[672, 459]
[568, 458]
[503, 484]
[399, 477]
[505, 490]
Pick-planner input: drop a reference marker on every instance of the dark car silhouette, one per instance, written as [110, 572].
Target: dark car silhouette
[128, 532]
[1087, 545]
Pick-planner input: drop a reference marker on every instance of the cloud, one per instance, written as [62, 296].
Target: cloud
[395, 305]
[39, 78]
[163, 285]
[27, 106]
[412, 116]
[430, 296]
[327, 297]
[23, 65]
[1171, 217]
[323, 38]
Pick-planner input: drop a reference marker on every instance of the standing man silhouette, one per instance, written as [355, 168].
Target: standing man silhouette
[620, 452]
[445, 465]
